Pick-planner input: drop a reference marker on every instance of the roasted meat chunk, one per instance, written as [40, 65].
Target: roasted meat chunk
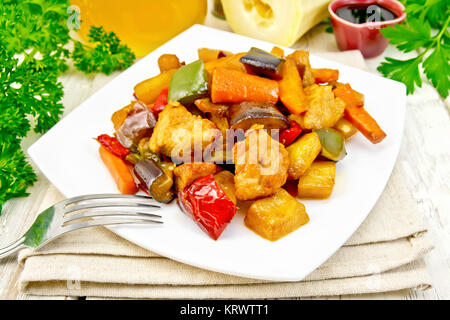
[261, 165]
[177, 130]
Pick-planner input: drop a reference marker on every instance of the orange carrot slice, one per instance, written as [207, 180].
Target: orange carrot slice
[364, 122]
[235, 87]
[325, 75]
[119, 171]
[291, 88]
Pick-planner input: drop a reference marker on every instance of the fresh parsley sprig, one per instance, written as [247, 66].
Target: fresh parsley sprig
[424, 16]
[33, 54]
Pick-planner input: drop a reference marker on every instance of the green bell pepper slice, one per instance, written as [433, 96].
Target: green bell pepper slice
[190, 82]
[333, 144]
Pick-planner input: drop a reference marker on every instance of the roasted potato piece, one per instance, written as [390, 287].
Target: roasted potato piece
[324, 109]
[207, 54]
[277, 51]
[177, 129]
[276, 216]
[225, 180]
[347, 129]
[167, 62]
[302, 154]
[148, 90]
[187, 173]
[318, 180]
[228, 62]
[261, 165]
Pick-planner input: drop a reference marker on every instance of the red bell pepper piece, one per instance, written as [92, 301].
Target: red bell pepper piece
[287, 136]
[161, 101]
[208, 205]
[113, 145]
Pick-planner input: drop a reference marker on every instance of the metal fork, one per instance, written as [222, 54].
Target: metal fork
[99, 210]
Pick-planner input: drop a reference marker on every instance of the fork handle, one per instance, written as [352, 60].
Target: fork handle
[12, 248]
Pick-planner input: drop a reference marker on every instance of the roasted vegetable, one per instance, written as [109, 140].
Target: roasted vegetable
[363, 121]
[187, 173]
[113, 145]
[291, 89]
[145, 152]
[119, 171]
[235, 87]
[230, 62]
[301, 59]
[299, 118]
[318, 181]
[277, 51]
[262, 63]
[324, 109]
[147, 91]
[208, 205]
[221, 123]
[261, 165]
[161, 102]
[161, 188]
[206, 106]
[225, 180]
[276, 216]
[287, 136]
[352, 98]
[154, 180]
[118, 117]
[189, 83]
[357, 115]
[138, 124]
[325, 75]
[245, 114]
[206, 54]
[333, 144]
[302, 153]
[347, 129]
[167, 62]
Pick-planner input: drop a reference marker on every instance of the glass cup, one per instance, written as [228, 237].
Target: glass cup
[143, 25]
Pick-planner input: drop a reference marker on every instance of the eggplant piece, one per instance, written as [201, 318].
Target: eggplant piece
[156, 181]
[139, 124]
[262, 63]
[245, 114]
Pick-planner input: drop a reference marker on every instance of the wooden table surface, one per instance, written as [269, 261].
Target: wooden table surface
[424, 157]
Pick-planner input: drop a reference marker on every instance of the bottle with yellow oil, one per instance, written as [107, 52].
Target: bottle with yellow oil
[143, 25]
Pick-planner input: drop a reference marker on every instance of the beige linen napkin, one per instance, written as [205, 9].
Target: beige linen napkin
[385, 254]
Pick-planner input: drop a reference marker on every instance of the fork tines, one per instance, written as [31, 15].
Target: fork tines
[110, 209]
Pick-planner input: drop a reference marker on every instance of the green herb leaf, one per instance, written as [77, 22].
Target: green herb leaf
[108, 55]
[437, 70]
[406, 71]
[415, 34]
[33, 54]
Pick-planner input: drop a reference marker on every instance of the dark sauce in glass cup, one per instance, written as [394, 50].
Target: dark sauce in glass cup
[357, 23]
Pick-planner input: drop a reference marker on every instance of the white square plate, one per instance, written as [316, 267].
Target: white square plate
[69, 157]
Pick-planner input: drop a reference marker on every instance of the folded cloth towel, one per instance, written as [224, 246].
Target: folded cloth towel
[384, 254]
